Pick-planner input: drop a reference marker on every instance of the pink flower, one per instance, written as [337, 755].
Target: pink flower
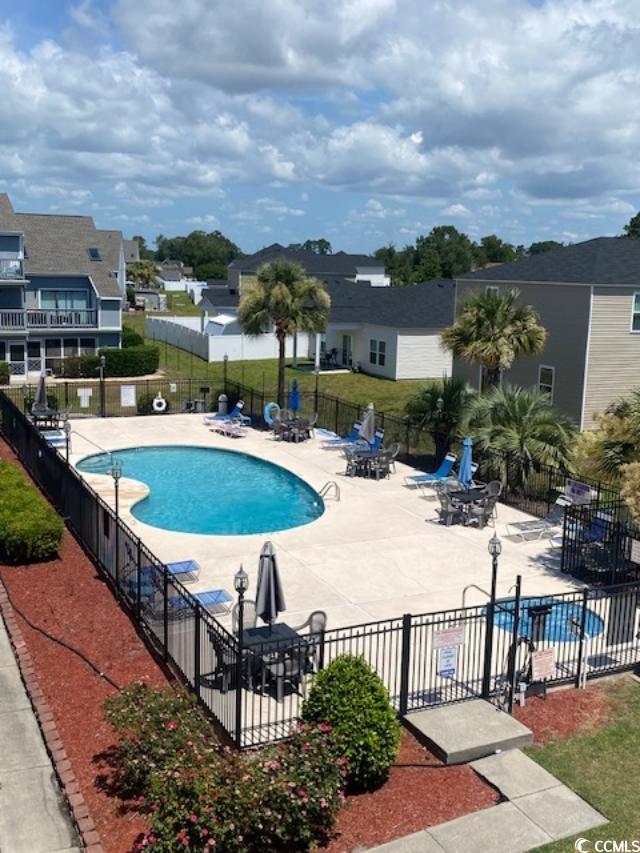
[193, 818]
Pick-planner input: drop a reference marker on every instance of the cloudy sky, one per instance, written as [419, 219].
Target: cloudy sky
[362, 121]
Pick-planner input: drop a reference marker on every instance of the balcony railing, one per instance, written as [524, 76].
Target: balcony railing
[38, 319]
[11, 270]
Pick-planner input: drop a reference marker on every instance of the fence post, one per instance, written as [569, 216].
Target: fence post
[404, 664]
[165, 614]
[196, 652]
[103, 397]
[66, 393]
[337, 404]
[139, 581]
[513, 651]
[583, 625]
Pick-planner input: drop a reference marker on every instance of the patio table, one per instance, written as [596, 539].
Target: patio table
[265, 643]
[468, 496]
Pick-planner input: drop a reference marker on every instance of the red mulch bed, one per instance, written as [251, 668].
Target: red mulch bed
[565, 713]
[420, 792]
[67, 598]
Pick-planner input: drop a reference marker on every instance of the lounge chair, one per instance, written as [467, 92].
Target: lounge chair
[213, 600]
[337, 443]
[234, 414]
[443, 473]
[232, 429]
[547, 526]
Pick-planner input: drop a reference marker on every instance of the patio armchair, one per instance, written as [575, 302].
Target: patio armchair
[317, 625]
[249, 615]
[449, 511]
[547, 526]
[481, 512]
[225, 662]
[385, 461]
[287, 665]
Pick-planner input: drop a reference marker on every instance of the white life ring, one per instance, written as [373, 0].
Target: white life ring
[271, 412]
[159, 404]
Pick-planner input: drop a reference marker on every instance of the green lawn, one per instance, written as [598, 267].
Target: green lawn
[604, 769]
[360, 389]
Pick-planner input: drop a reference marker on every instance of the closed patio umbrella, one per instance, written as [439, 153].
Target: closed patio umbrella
[294, 396]
[464, 471]
[269, 595]
[40, 402]
[368, 428]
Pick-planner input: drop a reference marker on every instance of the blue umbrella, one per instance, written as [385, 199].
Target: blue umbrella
[294, 396]
[464, 471]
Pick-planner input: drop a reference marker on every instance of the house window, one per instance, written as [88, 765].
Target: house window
[87, 346]
[94, 253]
[64, 300]
[377, 352]
[546, 379]
[635, 313]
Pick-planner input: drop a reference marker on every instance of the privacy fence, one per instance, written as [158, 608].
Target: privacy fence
[255, 694]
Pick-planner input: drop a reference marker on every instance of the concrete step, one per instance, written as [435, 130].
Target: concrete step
[468, 730]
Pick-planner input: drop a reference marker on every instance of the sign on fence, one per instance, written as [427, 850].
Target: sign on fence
[85, 395]
[579, 493]
[127, 396]
[448, 661]
[446, 637]
[543, 664]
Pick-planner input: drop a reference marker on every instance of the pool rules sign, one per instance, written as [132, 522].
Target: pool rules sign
[447, 641]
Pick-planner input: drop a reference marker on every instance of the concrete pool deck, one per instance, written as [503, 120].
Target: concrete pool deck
[377, 553]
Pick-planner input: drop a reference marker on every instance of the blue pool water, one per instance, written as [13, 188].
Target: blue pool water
[205, 490]
[558, 625]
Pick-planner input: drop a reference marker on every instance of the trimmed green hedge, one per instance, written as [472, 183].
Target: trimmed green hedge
[131, 338]
[81, 367]
[131, 361]
[30, 530]
[350, 696]
[4, 372]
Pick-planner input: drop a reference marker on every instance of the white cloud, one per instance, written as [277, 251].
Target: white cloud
[459, 211]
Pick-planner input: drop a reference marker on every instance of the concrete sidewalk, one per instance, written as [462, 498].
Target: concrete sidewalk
[540, 809]
[33, 812]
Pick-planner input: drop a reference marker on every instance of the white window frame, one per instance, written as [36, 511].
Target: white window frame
[542, 367]
[634, 312]
[375, 354]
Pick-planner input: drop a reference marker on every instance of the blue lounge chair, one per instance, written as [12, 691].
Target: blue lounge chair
[213, 600]
[234, 414]
[338, 442]
[443, 473]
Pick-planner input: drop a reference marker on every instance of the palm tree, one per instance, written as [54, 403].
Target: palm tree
[283, 296]
[440, 407]
[492, 331]
[521, 422]
[142, 272]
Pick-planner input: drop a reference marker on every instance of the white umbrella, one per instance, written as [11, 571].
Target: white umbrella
[368, 428]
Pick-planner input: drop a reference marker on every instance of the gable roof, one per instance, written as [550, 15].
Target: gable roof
[57, 243]
[131, 251]
[339, 263]
[603, 260]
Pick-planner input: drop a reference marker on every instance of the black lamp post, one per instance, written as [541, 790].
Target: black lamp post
[495, 549]
[67, 437]
[440, 433]
[116, 473]
[241, 585]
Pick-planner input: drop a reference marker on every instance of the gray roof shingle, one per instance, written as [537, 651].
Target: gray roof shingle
[603, 260]
[58, 244]
[338, 264]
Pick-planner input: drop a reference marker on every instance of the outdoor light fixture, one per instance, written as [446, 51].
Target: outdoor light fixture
[241, 581]
[116, 471]
[67, 436]
[495, 546]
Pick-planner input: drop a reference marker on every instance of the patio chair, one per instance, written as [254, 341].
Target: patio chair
[449, 511]
[443, 473]
[249, 615]
[317, 625]
[225, 661]
[547, 526]
[337, 443]
[481, 512]
[280, 429]
[287, 665]
[385, 461]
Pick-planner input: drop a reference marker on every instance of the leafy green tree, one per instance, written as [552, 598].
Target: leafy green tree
[523, 423]
[318, 247]
[496, 250]
[603, 452]
[204, 252]
[632, 228]
[441, 407]
[491, 330]
[453, 248]
[143, 273]
[544, 246]
[283, 296]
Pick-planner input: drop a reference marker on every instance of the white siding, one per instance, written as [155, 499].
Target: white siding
[361, 350]
[421, 356]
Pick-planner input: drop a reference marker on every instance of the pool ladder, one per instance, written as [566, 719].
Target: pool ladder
[330, 489]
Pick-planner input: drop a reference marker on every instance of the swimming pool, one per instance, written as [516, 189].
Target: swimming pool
[559, 624]
[212, 491]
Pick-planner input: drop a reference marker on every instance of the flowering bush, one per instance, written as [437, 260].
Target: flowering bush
[200, 796]
[350, 696]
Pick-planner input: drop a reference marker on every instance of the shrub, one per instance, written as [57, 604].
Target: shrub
[4, 373]
[52, 401]
[81, 366]
[630, 488]
[30, 530]
[199, 795]
[350, 696]
[132, 361]
[131, 338]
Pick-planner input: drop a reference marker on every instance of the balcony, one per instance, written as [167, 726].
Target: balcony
[11, 270]
[18, 320]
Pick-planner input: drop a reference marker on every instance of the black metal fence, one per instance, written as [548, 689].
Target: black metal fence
[256, 693]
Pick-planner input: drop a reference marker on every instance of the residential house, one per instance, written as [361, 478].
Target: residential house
[131, 251]
[358, 268]
[62, 284]
[588, 299]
